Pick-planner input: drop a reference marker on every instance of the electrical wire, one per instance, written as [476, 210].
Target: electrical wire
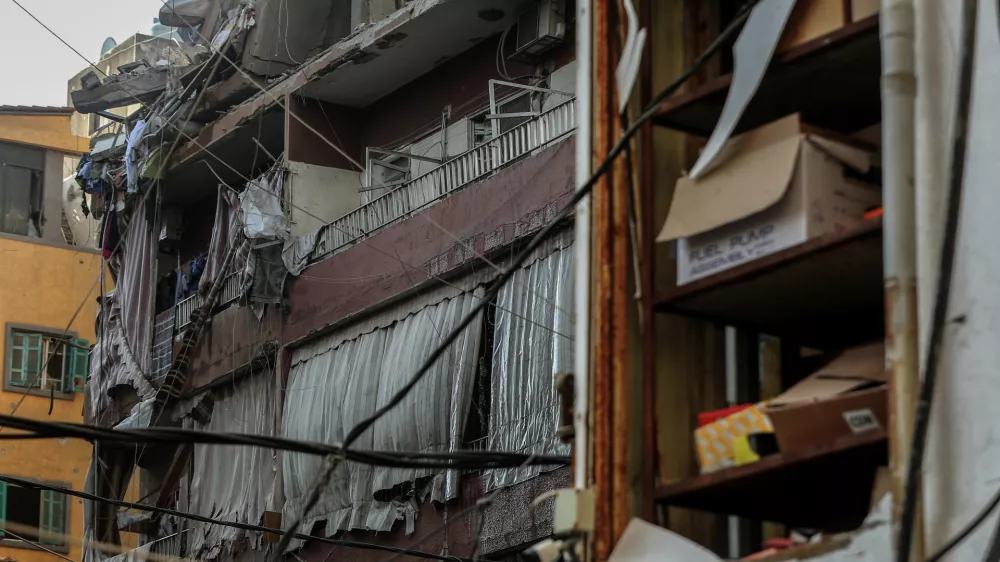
[266, 92]
[967, 530]
[466, 460]
[243, 526]
[939, 320]
[523, 256]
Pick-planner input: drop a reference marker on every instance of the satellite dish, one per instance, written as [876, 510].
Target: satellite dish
[109, 44]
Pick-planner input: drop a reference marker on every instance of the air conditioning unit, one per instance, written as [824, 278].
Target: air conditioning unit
[540, 27]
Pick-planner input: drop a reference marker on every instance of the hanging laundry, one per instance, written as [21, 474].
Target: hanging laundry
[110, 235]
[132, 157]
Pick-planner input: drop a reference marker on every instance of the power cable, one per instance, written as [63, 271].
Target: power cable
[939, 320]
[172, 436]
[267, 93]
[492, 292]
[967, 530]
[236, 525]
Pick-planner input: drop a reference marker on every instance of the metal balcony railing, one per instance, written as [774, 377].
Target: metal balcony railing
[453, 175]
[230, 292]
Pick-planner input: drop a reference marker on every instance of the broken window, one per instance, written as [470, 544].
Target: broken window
[21, 189]
[46, 362]
[482, 126]
[33, 515]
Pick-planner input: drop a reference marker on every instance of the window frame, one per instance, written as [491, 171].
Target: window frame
[65, 394]
[11, 542]
[31, 159]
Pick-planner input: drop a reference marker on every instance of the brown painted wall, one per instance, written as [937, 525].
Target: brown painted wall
[232, 340]
[487, 216]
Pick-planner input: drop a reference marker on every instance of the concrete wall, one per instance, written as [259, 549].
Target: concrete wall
[45, 131]
[288, 33]
[326, 193]
[43, 286]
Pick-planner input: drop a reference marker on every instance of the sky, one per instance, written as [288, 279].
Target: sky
[35, 67]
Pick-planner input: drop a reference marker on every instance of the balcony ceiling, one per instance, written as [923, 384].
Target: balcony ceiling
[412, 49]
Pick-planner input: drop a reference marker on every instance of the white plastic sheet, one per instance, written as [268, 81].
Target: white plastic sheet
[531, 343]
[234, 483]
[331, 389]
[260, 204]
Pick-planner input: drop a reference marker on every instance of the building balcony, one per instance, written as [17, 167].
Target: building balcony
[231, 290]
[454, 175]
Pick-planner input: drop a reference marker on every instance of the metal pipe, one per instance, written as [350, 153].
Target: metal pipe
[899, 244]
[581, 351]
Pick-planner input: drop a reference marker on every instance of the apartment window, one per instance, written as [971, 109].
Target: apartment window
[27, 514]
[21, 189]
[482, 128]
[45, 363]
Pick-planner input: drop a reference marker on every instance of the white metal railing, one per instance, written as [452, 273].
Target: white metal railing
[448, 178]
[230, 292]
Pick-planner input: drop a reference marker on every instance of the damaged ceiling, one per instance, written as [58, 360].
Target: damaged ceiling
[393, 59]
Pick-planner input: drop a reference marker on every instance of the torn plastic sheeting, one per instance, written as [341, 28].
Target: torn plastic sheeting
[524, 403]
[331, 391]
[260, 203]
[233, 483]
[297, 250]
[111, 364]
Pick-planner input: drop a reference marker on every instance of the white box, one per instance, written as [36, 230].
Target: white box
[776, 187]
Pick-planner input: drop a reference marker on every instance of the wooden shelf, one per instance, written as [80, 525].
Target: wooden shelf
[826, 292]
[833, 81]
[827, 488]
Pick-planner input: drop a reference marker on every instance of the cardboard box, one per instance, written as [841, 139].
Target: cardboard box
[812, 19]
[774, 187]
[714, 442]
[846, 397]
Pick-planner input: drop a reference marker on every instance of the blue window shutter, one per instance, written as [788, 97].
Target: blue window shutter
[17, 358]
[33, 360]
[3, 507]
[53, 517]
[77, 366]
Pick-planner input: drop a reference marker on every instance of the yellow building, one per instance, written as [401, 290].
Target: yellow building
[44, 283]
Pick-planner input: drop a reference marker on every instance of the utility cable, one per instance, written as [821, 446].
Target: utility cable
[174, 436]
[236, 525]
[939, 320]
[267, 93]
[535, 242]
[967, 530]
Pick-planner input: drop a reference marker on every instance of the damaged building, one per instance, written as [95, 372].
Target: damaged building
[295, 212]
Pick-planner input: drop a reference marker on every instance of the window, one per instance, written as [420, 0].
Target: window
[21, 189]
[33, 515]
[45, 362]
[482, 128]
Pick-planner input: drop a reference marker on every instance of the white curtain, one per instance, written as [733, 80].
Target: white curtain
[234, 483]
[531, 343]
[333, 387]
